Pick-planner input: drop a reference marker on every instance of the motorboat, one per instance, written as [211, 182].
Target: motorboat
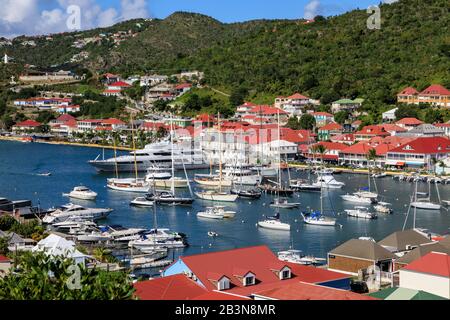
[157, 154]
[156, 173]
[142, 202]
[367, 194]
[217, 212]
[73, 224]
[163, 197]
[298, 257]
[264, 171]
[44, 174]
[301, 185]
[329, 182]
[82, 193]
[361, 212]
[71, 210]
[241, 176]
[425, 204]
[128, 185]
[212, 180]
[316, 218]
[379, 175]
[383, 207]
[94, 236]
[149, 243]
[274, 223]
[247, 194]
[213, 234]
[356, 199]
[283, 203]
[212, 195]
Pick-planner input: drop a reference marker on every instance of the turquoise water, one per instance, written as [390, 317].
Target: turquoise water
[20, 163]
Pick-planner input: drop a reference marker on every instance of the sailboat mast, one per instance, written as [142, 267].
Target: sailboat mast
[279, 153]
[115, 158]
[415, 207]
[220, 151]
[171, 155]
[134, 147]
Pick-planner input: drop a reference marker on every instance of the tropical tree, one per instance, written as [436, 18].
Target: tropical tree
[4, 244]
[371, 156]
[39, 276]
[307, 122]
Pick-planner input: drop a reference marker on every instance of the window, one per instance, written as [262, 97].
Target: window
[249, 280]
[286, 274]
[223, 284]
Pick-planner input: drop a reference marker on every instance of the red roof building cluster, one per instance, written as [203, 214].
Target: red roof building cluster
[435, 263]
[435, 94]
[28, 124]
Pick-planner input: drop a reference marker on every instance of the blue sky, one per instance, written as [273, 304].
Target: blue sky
[32, 17]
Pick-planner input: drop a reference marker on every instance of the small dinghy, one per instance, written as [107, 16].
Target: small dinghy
[213, 234]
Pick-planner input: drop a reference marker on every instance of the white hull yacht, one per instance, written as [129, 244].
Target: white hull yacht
[361, 212]
[70, 211]
[82, 193]
[128, 185]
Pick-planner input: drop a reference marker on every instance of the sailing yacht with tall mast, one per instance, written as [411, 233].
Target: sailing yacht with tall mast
[128, 184]
[425, 202]
[212, 195]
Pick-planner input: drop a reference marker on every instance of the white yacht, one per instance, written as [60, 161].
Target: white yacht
[356, 199]
[212, 180]
[142, 202]
[283, 203]
[158, 154]
[425, 204]
[383, 207]
[361, 212]
[297, 256]
[94, 236]
[264, 171]
[329, 182]
[150, 243]
[82, 193]
[274, 223]
[367, 194]
[211, 195]
[128, 185]
[71, 210]
[217, 212]
[241, 176]
[161, 178]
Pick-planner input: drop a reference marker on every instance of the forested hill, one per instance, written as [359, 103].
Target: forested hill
[328, 59]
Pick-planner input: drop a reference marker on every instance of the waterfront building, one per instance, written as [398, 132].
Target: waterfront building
[26, 126]
[331, 154]
[326, 132]
[419, 152]
[430, 273]
[88, 125]
[436, 95]
[356, 256]
[402, 242]
[348, 105]
[420, 251]
[445, 127]
[368, 132]
[424, 130]
[246, 271]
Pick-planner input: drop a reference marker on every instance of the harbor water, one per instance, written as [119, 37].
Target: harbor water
[20, 165]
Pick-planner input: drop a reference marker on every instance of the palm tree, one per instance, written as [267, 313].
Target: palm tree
[433, 161]
[320, 149]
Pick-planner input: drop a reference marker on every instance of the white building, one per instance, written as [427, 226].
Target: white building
[389, 116]
[431, 273]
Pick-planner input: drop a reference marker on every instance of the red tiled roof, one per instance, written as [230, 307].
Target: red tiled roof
[348, 137]
[435, 89]
[258, 259]
[65, 118]
[409, 121]
[393, 128]
[112, 91]
[373, 130]
[409, 91]
[325, 114]
[28, 123]
[425, 145]
[183, 86]
[248, 104]
[113, 121]
[298, 96]
[359, 148]
[119, 84]
[331, 126]
[176, 287]
[307, 291]
[433, 263]
[4, 259]
[267, 110]
[216, 295]
[442, 125]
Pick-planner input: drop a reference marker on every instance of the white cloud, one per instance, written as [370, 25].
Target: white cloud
[312, 9]
[26, 17]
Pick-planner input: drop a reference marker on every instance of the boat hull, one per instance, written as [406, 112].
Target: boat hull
[274, 226]
[217, 197]
[426, 206]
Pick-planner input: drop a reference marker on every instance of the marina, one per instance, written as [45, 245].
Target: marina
[18, 169]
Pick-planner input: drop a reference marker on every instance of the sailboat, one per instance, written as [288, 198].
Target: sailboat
[212, 195]
[425, 202]
[366, 192]
[302, 185]
[274, 223]
[317, 217]
[128, 184]
[166, 197]
[160, 178]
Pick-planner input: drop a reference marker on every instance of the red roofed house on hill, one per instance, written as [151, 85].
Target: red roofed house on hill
[430, 273]
[322, 118]
[182, 88]
[261, 113]
[409, 123]
[419, 152]
[116, 88]
[245, 271]
[294, 104]
[26, 126]
[435, 95]
[328, 131]
[368, 132]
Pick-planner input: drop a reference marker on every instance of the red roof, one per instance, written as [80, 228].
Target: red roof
[408, 92]
[4, 259]
[110, 75]
[258, 260]
[183, 86]
[425, 145]
[435, 89]
[442, 125]
[247, 104]
[307, 291]
[267, 110]
[325, 114]
[28, 123]
[433, 263]
[374, 130]
[409, 121]
[393, 128]
[65, 118]
[348, 137]
[359, 148]
[332, 145]
[176, 287]
[113, 121]
[216, 295]
[331, 127]
[298, 96]
[119, 84]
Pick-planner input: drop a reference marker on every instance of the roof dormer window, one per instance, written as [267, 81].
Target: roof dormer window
[223, 284]
[249, 280]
